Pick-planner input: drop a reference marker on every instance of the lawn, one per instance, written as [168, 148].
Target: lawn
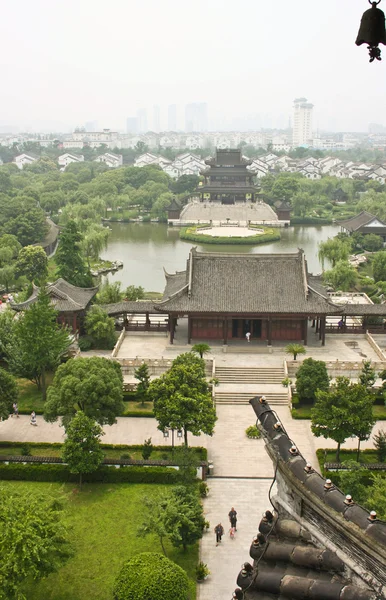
[304, 412]
[104, 520]
[30, 398]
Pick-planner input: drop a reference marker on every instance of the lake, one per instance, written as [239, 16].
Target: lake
[146, 249]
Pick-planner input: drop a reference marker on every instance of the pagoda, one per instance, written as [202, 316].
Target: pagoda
[227, 179]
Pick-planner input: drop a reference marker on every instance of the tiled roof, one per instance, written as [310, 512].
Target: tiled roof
[130, 307]
[358, 221]
[64, 296]
[314, 542]
[244, 283]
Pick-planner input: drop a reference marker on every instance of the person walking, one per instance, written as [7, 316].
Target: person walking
[33, 418]
[219, 531]
[248, 336]
[233, 518]
[15, 410]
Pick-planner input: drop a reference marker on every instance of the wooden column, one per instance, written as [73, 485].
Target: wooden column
[269, 331]
[172, 328]
[317, 326]
[189, 328]
[305, 332]
[147, 322]
[225, 330]
[323, 330]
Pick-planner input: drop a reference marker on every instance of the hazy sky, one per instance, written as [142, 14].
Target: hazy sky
[65, 63]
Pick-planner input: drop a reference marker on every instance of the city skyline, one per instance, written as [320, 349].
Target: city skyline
[257, 66]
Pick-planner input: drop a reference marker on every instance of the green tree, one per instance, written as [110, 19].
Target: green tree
[379, 266]
[201, 349]
[311, 376]
[142, 374]
[334, 250]
[184, 517]
[109, 293]
[182, 399]
[151, 576]
[295, 349]
[70, 264]
[367, 375]
[352, 481]
[342, 277]
[9, 250]
[82, 450]
[92, 385]
[187, 461]
[155, 522]
[134, 293]
[100, 327]
[380, 445]
[147, 449]
[32, 263]
[7, 324]
[38, 343]
[33, 540]
[94, 241]
[376, 498]
[337, 411]
[372, 242]
[9, 393]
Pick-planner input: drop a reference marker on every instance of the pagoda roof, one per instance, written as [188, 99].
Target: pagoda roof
[229, 157]
[65, 297]
[244, 283]
[227, 189]
[355, 223]
[174, 205]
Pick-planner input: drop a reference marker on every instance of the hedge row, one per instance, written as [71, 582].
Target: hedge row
[310, 221]
[61, 474]
[201, 452]
[138, 413]
[209, 239]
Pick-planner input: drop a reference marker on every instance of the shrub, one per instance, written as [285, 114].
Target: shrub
[203, 489]
[192, 234]
[253, 432]
[85, 343]
[60, 473]
[151, 576]
[125, 456]
[25, 450]
[310, 221]
[147, 449]
[202, 571]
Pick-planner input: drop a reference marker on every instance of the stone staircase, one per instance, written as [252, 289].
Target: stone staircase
[240, 375]
[237, 385]
[244, 397]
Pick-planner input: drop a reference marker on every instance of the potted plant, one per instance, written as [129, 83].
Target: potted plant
[203, 489]
[253, 432]
[202, 571]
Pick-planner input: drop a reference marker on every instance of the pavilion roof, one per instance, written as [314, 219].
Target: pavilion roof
[244, 283]
[134, 307]
[64, 296]
[359, 221]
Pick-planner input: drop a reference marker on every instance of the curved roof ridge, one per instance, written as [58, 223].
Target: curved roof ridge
[175, 295]
[75, 287]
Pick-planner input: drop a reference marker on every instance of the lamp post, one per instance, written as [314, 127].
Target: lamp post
[166, 434]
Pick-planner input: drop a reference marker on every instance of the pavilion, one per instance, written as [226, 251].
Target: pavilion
[70, 301]
[272, 296]
[364, 223]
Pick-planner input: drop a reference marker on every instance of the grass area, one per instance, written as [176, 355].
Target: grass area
[104, 521]
[153, 296]
[30, 398]
[52, 266]
[135, 409]
[329, 455]
[304, 412]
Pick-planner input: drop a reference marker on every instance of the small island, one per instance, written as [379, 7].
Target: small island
[228, 234]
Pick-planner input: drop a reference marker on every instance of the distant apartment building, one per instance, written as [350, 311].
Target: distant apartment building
[24, 159]
[132, 125]
[302, 124]
[111, 160]
[196, 117]
[172, 117]
[65, 159]
[142, 120]
[156, 119]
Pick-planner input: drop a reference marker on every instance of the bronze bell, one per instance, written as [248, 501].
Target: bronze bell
[372, 30]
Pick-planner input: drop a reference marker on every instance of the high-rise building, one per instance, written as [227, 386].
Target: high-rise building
[302, 126]
[196, 116]
[142, 120]
[156, 119]
[172, 117]
[91, 125]
[132, 125]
